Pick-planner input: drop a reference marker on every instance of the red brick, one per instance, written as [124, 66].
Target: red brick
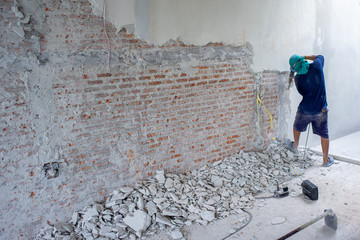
[95, 82]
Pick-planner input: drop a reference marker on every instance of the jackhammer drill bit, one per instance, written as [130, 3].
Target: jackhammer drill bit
[291, 78]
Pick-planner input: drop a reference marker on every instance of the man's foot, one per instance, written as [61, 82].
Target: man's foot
[290, 146]
[330, 162]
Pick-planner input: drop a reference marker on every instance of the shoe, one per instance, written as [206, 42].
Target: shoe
[289, 145]
[330, 162]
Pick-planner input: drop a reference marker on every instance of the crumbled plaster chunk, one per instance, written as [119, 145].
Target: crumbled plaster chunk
[16, 11]
[208, 215]
[19, 30]
[139, 221]
[278, 220]
[176, 234]
[160, 177]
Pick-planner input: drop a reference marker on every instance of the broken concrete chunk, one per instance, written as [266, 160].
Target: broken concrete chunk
[110, 204]
[244, 199]
[159, 200]
[225, 194]
[184, 200]
[164, 220]
[169, 183]
[263, 156]
[139, 221]
[17, 12]
[276, 172]
[19, 30]
[126, 189]
[123, 209]
[119, 196]
[140, 203]
[278, 220]
[153, 189]
[176, 234]
[151, 208]
[91, 212]
[242, 192]
[145, 191]
[105, 231]
[173, 197]
[211, 201]
[160, 177]
[74, 218]
[208, 215]
[26, 20]
[163, 205]
[217, 181]
[290, 155]
[174, 212]
[276, 157]
[63, 228]
[131, 207]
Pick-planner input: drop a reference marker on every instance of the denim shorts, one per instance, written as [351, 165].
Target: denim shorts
[318, 121]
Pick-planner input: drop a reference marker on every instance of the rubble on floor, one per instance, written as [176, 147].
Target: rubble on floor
[170, 201]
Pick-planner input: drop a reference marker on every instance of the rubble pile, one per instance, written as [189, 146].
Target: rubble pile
[171, 201]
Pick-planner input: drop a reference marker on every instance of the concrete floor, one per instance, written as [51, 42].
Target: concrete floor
[338, 190]
[344, 149]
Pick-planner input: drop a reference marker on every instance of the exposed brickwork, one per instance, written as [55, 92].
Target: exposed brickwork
[174, 107]
[168, 118]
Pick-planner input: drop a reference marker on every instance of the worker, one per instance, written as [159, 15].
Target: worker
[310, 83]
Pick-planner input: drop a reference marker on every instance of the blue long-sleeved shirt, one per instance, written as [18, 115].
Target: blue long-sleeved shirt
[312, 88]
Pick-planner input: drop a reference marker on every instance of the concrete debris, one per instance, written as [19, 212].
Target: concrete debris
[208, 215]
[160, 177]
[19, 30]
[278, 220]
[138, 221]
[16, 11]
[169, 201]
[176, 234]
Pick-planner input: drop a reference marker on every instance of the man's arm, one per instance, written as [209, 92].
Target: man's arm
[311, 57]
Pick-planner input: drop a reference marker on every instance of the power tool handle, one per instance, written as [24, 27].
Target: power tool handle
[303, 226]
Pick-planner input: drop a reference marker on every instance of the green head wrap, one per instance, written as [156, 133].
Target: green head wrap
[299, 64]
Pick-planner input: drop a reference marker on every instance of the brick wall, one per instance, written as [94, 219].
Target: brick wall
[174, 107]
[159, 118]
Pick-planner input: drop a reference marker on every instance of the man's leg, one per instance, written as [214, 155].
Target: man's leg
[296, 138]
[325, 149]
[320, 127]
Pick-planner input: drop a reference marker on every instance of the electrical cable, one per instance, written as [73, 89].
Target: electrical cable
[258, 102]
[107, 36]
[250, 218]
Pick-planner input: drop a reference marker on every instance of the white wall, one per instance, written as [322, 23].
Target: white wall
[118, 12]
[276, 29]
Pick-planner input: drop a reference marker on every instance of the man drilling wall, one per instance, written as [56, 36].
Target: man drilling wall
[310, 83]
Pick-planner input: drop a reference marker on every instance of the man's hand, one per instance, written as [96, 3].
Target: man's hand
[310, 57]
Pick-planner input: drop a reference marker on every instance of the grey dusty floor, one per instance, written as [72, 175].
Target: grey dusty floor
[338, 190]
